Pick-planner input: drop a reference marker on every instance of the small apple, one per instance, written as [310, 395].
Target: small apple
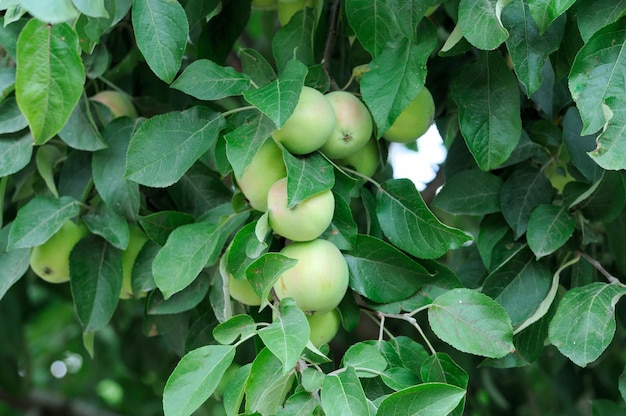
[51, 260]
[266, 168]
[414, 121]
[305, 221]
[119, 103]
[354, 125]
[318, 281]
[324, 327]
[137, 239]
[241, 291]
[365, 160]
[311, 124]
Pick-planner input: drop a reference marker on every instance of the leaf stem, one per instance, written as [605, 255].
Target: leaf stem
[595, 263]
[348, 171]
[411, 320]
[237, 110]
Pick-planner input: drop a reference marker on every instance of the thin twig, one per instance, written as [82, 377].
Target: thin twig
[595, 263]
[331, 36]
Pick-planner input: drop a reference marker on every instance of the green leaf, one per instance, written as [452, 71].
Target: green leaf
[238, 326]
[487, 96]
[207, 80]
[11, 118]
[267, 385]
[255, 65]
[182, 301]
[544, 12]
[549, 227]
[363, 357]
[528, 47]
[604, 200]
[39, 219]
[93, 8]
[96, 281]
[287, 335]
[91, 28]
[523, 191]
[470, 192]
[374, 23]
[441, 368]
[108, 167]
[195, 378]
[105, 222]
[159, 225]
[481, 24]
[278, 99]
[382, 273]
[428, 399]
[610, 143]
[234, 393]
[80, 131]
[13, 263]
[409, 14]
[584, 323]
[398, 378]
[299, 404]
[53, 11]
[402, 351]
[243, 143]
[593, 15]
[342, 394]
[47, 158]
[295, 40]
[244, 249]
[161, 31]
[520, 285]
[343, 229]
[596, 76]
[50, 76]
[578, 147]
[307, 176]
[472, 322]
[165, 146]
[395, 77]
[265, 271]
[15, 152]
[410, 225]
[7, 80]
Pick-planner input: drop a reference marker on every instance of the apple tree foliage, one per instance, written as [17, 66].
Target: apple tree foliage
[500, 295]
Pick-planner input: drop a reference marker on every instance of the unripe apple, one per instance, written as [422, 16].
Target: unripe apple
[266, 168]
[51, 260]
[354, 125]
[318, 281]
[287, 8]
[241, 291]
[119, 103]
[324, 327]
[135, 243]
[310, 125]
[365, 160]
[306, 220]
[414, 121]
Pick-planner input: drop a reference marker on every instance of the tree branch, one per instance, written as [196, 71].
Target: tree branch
[331, 36]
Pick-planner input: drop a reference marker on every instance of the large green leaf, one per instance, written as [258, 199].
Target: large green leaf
[267, 385]
[52, 11]
[50, 76]
[382, 273]
[471, 192]
[366, 360]
[13, 263]
[544, 12]
[342, 394]
[165, 146]
[593, 15]
[428, 399]
[265, 271]
[395, 77]
[584, 323]
[374, 23]
[295, 40]
[15, 152]
[96, 281]
[410, 225]
[307, 176]
[597, 75]
[472, 322]
[195, 378]
[549, 227]
[481, 24]
[80, 131]
[487, 95]
[161, 31]
[207, 80]
[11, 118]
[93, 8]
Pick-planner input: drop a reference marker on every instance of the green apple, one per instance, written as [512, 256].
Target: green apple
[51, 260]
[365, 160]
[136, 242]
[309, 126]
[354, 125]
[241, 291]
[318, 281]
[324, 327]
[286, 9]
[119, 103]
[306, 220]
[414, 121]
[266, 168]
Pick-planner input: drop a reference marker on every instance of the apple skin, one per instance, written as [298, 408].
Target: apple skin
[324, 327]
[318, 281]
[365, 160]
[309, 126]
[266, 168]
[304, 222]
[241, 291]
[136, 242]
[51, 260]
[119, 103]
[414, 121]
[354, 125]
